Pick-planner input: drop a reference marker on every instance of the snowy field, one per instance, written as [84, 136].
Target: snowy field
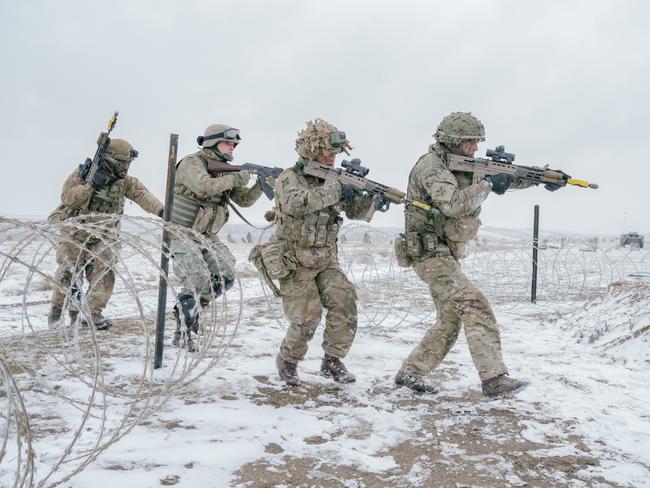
[80, 408]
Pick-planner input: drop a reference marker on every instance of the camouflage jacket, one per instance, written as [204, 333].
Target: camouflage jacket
[108, 200]
[307, 214]
[455, 199]
[194, 182]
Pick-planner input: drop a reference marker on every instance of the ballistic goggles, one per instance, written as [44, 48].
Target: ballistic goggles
[231, 134]
[338, 140]
[133, 153]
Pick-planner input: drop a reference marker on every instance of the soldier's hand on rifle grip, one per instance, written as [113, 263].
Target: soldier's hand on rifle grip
[501, 182]
[243, 177]
[349, 193]
[552, 186]
[101, 178]
[381, 203]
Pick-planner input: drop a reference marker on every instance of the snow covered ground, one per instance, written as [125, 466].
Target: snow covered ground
[583, 421]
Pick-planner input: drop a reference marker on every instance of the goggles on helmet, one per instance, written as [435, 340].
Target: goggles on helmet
[337, 139]
[231, 133]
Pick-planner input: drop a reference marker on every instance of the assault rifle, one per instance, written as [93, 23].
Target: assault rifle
[87, 170]
[263, 172]
[503, 162]
[352, 173]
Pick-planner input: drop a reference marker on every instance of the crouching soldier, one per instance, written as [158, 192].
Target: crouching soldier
[102, 192]
[303, 255]
[206, 267]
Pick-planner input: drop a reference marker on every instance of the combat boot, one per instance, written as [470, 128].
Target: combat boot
[187, 320]
[414, 381]
[332, 367]
[288, 371]
[502, 384]
[99, 321]
[54, 317]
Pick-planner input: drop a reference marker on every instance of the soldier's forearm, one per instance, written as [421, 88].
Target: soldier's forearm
[302, 202]
[464, 202]
[77, 195]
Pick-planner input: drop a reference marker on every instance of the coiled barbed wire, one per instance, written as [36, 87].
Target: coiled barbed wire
[91, 387]
[83, 385]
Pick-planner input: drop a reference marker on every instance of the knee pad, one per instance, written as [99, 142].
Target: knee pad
[219, 283]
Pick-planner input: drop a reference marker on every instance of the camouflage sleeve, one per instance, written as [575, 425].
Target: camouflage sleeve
[137, 192]
[296, 200]
[245, 197]
[75, 192]
[192, 174]
[442, 187]
[359, 207]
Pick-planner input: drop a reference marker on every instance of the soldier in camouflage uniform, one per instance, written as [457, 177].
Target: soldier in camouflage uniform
[201, 201]
[96, 254]
[307, 218]
[435, 242]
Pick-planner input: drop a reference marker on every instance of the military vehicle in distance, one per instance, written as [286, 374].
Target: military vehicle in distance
[632, 239]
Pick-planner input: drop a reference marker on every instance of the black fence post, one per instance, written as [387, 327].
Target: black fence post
[533, 293]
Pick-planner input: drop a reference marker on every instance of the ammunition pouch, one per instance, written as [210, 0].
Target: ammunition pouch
[461, 230]
[311, 231]
[273, 261]
[403, 259]
[420, 243]
[102, 202]
[314, 257]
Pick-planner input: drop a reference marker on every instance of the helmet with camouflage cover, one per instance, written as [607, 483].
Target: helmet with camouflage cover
[458, 127]
[121, 150]
[216, 133]
[321, 138]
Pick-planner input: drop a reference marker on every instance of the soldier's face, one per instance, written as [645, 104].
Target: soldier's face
[327, 159]
[226, 147]
[468, 148]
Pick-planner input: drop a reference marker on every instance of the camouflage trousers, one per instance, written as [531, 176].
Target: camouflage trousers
[458, 302]
[304, 295]
[95, 258]
[198, 265]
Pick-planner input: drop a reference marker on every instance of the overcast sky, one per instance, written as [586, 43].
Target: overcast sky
[558, 82]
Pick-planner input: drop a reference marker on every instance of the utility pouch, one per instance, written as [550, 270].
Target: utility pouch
[220, 218]
[308, 235]
[272, 261]
[413, 244]
[462, 230]
[203, 219]
[313, 257]
[320, 238]
[403, 259]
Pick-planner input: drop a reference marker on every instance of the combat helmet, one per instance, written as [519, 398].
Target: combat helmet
[216, 133]
[320, 137]
[458, 127]
[121, 150]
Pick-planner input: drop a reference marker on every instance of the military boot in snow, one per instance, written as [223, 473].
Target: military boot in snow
[502, 384]
[74, 315]
[332, 367]
[99, 321]
[414, 381]
[54, 317]
[288, 371]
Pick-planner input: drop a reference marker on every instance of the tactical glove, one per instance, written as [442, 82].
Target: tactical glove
[501, 182]
[381, 203]
[552, 186]
[349, 193]
[101, 178]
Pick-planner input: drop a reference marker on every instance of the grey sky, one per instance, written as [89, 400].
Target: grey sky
[558, 82]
